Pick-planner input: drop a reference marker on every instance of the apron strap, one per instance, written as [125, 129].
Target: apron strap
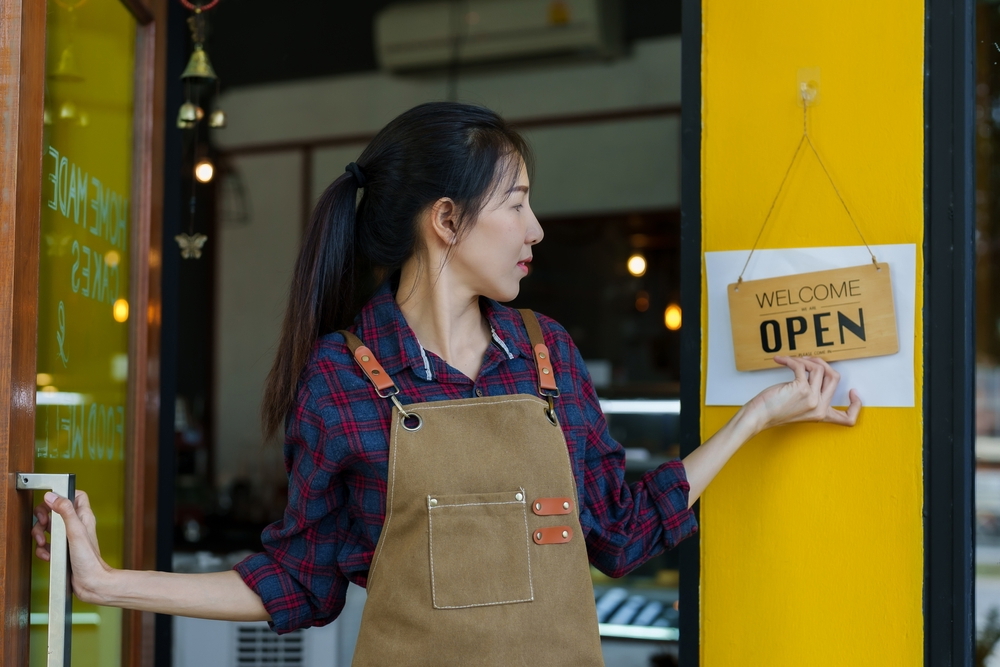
[372, 369]
[546, 375]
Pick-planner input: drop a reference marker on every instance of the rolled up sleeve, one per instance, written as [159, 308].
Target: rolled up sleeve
[297, 576]
[626, 524]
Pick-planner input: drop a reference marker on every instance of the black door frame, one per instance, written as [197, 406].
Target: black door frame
[949, 332]
[690, 370]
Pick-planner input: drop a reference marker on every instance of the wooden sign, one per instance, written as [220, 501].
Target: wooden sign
[838, 314]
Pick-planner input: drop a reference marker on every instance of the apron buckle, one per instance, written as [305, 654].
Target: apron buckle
[550, 411]
[406, 419]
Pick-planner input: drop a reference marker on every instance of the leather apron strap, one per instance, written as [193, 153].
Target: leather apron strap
[386, 388]
[384, 385]
[546, 375]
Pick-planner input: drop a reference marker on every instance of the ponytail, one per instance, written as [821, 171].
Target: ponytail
[440, 149]
[322, 295]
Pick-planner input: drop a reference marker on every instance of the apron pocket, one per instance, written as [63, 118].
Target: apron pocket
[479, 549]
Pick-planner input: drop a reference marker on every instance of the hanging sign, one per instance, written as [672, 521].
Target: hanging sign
[836, 314]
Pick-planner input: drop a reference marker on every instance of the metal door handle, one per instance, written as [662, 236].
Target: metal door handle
[60, 599]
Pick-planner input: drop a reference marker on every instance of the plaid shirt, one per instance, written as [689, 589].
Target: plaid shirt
[337, 446]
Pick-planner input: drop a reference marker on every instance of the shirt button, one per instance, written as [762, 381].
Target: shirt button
[479, 392]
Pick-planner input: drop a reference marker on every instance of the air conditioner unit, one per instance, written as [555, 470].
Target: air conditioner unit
[427, 35]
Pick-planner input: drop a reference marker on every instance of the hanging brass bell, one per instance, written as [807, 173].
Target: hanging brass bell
[188, 115]
[198, 66]
[217, 119]
[66, 69]
[67, 111]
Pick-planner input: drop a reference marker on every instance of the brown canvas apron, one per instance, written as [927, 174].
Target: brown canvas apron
[481, 560]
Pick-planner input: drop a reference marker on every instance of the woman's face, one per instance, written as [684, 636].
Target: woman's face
[494, 255]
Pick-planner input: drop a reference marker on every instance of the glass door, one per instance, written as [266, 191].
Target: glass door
[83, 290]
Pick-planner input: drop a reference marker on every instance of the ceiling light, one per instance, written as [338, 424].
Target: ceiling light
[672, 317]
[204, 170]
[637, 265]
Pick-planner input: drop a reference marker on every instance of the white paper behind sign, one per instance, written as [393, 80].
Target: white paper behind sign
[881, 381]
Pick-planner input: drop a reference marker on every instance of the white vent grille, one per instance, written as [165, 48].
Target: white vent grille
[257, 646]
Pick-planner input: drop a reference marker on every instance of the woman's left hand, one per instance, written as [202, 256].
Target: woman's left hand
[805, 398]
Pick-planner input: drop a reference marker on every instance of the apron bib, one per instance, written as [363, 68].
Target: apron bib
[481, 559]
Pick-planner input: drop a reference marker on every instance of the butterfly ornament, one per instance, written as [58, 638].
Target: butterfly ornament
[191, 245]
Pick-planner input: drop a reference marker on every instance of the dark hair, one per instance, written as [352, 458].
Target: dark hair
[440, 149]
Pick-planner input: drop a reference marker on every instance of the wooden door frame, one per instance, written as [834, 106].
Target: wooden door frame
[22, 70]
[144, 323]
[22, 85]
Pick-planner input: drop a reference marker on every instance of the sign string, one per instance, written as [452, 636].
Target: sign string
[806, 140]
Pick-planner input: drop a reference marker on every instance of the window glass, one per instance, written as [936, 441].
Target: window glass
[614, 282]
[83, 308]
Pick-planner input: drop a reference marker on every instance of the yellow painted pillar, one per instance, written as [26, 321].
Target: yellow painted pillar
[812, 537]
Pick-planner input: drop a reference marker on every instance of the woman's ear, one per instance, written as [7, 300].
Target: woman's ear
[443, 221]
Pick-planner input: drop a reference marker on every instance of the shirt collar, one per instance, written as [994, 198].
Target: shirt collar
[382, 327]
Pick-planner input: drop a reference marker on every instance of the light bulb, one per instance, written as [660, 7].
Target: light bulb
[637, 265]
[204, 170]
[120, 310]
[672, 317]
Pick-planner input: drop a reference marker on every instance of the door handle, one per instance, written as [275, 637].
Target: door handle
[60, 599]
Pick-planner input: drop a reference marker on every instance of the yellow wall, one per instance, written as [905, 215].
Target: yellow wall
[812, 541]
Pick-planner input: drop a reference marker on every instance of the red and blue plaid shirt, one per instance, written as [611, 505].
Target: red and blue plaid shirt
[337, 447]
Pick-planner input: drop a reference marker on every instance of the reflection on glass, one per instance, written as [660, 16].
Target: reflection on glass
[613, 282]
[83, 289]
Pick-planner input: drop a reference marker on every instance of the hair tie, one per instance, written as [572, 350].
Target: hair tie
[354, 170]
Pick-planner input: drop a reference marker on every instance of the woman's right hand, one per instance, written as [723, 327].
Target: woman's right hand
[216, 595]
[89, 569]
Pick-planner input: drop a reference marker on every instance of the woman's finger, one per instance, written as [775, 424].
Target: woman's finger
[816, 375]
[847, 417]
[796, 366]
[41, 520]
[854, 409]
[42, 514]
[75, 529]
[83, 510]
[38, 534]
[82, 502]
[831, 379]
[827, 368]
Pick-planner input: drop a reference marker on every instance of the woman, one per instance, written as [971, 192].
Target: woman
[445, 451]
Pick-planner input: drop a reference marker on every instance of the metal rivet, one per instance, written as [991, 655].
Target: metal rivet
[565, 534]
[538, 506]
[366, 358]
[433, 502]
[541, 355]
[565, 506]
[545, 370]
[518, 496]
[375, 372]
[538, 536]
